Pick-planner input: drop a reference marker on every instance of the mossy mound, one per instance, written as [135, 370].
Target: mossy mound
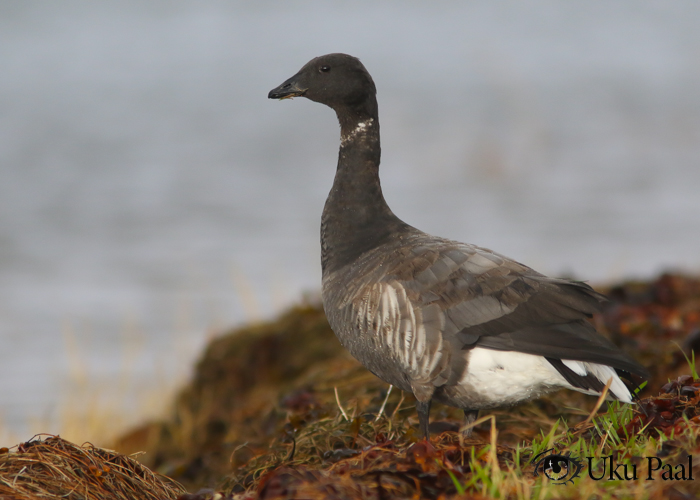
[281, 410]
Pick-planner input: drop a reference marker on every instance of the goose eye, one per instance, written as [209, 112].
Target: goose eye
[324, 69]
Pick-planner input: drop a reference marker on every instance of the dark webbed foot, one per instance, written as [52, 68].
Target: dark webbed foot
[469, 418]
[423, 410]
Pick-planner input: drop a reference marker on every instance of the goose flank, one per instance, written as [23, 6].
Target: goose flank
[447, 321]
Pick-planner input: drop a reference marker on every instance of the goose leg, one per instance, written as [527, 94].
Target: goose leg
[423, 410]
[469, 417]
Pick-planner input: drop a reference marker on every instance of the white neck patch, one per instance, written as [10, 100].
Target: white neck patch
[360, 129]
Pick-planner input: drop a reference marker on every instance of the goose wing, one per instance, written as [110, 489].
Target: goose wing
[493, 302]
[425, 299]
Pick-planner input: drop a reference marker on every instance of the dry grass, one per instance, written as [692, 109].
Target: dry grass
[98, 408]
[52, 468]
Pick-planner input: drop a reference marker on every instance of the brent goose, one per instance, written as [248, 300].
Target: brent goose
[448, 321]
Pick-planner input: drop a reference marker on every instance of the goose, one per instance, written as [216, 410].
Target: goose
[446, 321]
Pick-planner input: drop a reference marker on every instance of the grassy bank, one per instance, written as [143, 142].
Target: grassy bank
[280, 410]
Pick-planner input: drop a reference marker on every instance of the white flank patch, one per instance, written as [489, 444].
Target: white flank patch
[509, 377]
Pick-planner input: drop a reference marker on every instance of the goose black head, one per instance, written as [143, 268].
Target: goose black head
[336, 80]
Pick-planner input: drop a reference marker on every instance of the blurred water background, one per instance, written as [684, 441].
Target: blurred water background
[152, 196]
